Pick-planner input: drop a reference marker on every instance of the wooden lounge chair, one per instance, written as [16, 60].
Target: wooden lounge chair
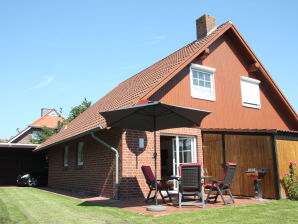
[190, 184]
[222, 186]
[162, 185]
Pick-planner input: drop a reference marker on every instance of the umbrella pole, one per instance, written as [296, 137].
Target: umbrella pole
[155, 163]
[156, 207]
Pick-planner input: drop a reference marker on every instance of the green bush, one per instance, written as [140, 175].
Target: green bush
[290, 182]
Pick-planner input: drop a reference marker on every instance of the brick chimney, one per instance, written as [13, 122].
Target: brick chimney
[205, 24]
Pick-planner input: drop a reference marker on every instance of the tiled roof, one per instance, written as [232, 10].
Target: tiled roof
[47, 120]
[129, 92]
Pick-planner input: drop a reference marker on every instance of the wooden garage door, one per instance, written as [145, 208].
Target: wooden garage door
[248, 151]
[213, 155]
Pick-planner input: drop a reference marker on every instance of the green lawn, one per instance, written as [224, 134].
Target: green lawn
[29, 205]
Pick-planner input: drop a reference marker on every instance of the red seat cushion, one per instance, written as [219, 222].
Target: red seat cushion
[191, 189]
[150, 178]
[209, 186]
[164, 186]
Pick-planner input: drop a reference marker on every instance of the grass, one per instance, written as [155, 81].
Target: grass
[29, 205]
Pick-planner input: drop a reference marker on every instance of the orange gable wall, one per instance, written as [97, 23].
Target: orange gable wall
[227, 110]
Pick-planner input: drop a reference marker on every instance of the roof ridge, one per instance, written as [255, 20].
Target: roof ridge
[43, 116]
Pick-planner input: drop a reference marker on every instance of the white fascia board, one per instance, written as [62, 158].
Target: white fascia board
[202, 68]
[19, 134]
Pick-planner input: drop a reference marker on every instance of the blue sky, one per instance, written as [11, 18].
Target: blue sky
[55, 53]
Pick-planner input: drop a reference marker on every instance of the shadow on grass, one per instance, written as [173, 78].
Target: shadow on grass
[92, 204]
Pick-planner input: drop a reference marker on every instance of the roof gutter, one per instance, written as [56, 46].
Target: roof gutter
[18, 145]
[117, 161]
[69, 139]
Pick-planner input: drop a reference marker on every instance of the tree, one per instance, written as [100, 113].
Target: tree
[77, 110]
[42, 135]
[46, 132]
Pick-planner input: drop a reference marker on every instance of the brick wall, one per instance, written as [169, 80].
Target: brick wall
[97, 175]
[133, 183]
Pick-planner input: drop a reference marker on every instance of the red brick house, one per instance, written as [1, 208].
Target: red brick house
[217, 72]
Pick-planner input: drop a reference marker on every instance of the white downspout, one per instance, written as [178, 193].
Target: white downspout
[117, 158]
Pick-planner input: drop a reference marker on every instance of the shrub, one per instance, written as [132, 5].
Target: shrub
[290, 182]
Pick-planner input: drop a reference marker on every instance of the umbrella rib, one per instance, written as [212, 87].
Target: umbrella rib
[181, 115]
[122, 118]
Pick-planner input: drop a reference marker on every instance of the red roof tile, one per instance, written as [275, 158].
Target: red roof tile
[48, 120]
[129, 92]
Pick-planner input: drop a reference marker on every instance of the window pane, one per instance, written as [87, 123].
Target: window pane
[80, 153]
[195, 82]
[202, 86]
[187, 157]
[207, 77]
[201, 76]
[65, 156]
[195, 74]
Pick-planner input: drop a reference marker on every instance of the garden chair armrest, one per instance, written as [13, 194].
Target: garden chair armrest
[216, 181]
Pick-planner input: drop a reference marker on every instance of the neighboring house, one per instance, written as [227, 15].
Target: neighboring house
[217, 72]
[17, 156]
[49, 118]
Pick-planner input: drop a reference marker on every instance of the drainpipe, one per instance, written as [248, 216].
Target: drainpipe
[116, 156]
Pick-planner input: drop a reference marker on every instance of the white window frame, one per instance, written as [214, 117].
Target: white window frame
[251, 81]
[80, 154]
[66, 156]
[205, 69]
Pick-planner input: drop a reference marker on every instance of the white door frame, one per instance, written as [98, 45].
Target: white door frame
[193, 152]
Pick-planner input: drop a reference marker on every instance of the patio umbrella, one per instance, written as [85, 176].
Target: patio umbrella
[154, 116]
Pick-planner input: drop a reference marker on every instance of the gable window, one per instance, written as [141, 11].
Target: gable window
[250, 92]
[202, 82]
[34, 135]
[80, 158]
[65, 156]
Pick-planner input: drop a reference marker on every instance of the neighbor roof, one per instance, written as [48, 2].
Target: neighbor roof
[49, 120]
[141, 85]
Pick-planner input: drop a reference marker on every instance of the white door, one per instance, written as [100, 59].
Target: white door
[184, 151]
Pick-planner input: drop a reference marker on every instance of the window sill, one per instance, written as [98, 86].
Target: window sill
[251, 106]
[79, 167]
[211, 99]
